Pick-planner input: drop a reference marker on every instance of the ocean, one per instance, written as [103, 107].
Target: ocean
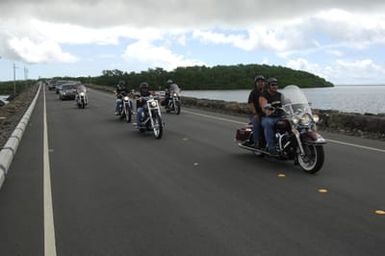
[358, 99]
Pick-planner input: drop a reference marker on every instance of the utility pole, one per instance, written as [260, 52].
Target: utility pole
[14, 79]
[25, 73]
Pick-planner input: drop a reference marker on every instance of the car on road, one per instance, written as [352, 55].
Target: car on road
[68, 91]
[60, 83]
[51, 84]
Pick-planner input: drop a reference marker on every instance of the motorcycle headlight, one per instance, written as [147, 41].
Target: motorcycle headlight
[126, 98]
[82, 94]
[175, 95]
[153, 104]
[305, 119]
[316, 118]
[295, 120]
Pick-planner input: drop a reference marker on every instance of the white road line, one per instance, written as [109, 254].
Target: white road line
[328, 140]
[355, 145]
[215, 117]
[49, 226]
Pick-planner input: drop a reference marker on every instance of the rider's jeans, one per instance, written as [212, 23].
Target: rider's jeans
[255, 121]
[268, 126]
[139, 114]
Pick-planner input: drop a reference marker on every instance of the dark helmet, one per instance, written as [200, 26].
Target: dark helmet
[259, 78]
[143, 86]
[121, 85]
[272, 80]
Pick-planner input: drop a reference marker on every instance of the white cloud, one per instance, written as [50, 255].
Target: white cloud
[32, 52]
[153, 56]
[361, 71]
[275, 37]
[99, 13]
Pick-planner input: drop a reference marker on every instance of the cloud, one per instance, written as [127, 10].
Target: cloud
[149, 55]
[191, 13]
[362, 71]
[32, 52]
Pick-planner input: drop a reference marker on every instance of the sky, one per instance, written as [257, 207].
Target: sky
[341, 41]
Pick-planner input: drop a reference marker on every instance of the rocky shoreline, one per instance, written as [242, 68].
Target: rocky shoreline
[362, 125]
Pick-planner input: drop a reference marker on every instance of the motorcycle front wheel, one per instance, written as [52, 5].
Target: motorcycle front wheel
[128, 115]
[158, 127]
[313, 159]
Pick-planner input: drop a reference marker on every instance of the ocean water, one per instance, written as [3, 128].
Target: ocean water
[358, 99]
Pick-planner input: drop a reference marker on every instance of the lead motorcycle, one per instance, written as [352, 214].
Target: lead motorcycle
[296, 133]
[152, 118]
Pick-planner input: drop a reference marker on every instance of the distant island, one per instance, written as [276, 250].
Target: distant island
[198, 77]
[208, 78]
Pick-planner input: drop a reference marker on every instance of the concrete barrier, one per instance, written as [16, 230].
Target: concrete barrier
[9, 150]
[363, 125]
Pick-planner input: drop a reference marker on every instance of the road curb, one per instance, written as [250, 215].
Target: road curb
[9, 150]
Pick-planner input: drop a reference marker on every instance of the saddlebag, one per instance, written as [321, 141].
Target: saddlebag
[243, 133]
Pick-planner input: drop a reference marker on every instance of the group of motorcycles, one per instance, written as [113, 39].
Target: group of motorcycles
[295, 132]
[152, 117]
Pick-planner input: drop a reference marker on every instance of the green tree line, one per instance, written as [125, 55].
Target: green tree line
[208, 78]
[7, 88]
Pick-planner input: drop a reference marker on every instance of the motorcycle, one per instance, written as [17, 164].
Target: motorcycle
[174, 103]
[81, 99]
[295, 133]
[124, 107]
[152, 118]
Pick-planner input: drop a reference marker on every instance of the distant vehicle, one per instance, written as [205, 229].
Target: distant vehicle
[3, 100]
[58, 84]
[51, 84]
[67, 91]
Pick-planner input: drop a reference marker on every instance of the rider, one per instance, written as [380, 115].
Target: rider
[79, 88]
[144, 91]
[256, 111]
[269, 99]
[121, 91]
[171, 87]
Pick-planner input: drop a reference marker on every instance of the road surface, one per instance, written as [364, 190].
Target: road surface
[194, 192]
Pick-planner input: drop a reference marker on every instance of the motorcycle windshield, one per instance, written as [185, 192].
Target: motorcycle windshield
[294, 101]
[174, 89]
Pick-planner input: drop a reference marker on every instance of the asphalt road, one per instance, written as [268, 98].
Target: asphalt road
[194, 192]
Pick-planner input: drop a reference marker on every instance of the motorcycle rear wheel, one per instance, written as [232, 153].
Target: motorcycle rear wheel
[313, 159]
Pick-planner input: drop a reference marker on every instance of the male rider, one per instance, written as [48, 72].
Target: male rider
[171, 87]
[256, 111]
[121, 91]
[269, 99]
[144, 92]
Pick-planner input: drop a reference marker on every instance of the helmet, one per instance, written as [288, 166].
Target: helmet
[259, 78]
[272, 80]
[143, 85]
[121, 84]
[169, 81]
